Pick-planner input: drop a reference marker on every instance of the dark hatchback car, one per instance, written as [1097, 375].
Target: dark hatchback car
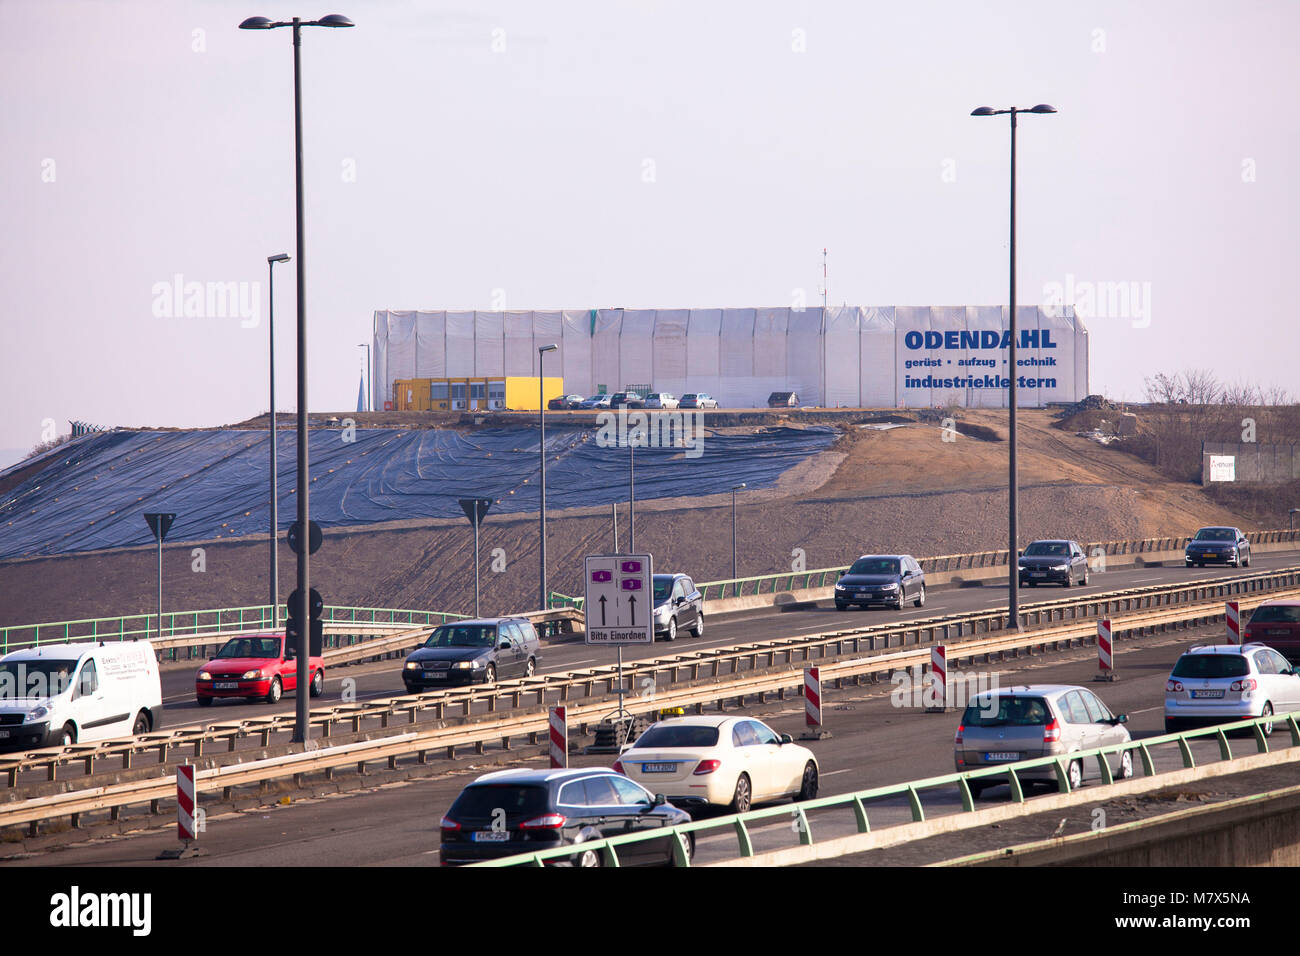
[1218, 546]
[527, 811]
[888, 579]
[473, 652]
[1053, 562]
[1277, 624]
[678, 604]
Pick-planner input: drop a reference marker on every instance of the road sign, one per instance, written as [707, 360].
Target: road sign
[314, 603]
[619, 603]
[160, 523]
[475, 509]
[313, 538]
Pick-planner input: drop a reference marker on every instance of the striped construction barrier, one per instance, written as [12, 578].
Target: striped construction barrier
[559, 738]
[812, 705]
[1105, 655]
[937, 691]
[186, 812]
[1232, 614]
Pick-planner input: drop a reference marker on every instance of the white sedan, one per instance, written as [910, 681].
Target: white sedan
[724, 761]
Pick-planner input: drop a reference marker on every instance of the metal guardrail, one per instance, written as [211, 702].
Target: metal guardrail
[178, 624]
[823, 577]
[797, 814]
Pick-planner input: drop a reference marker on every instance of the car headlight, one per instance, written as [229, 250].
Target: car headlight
[252, 675]
[892, 586]
[205, 675]
[1060, 567]
[36, 713]
[412, 665]
[840, 587]
[465, 665]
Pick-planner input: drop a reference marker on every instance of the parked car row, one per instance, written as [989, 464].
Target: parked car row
[654, 400]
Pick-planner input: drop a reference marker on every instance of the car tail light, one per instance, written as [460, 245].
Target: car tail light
[449, 825]
[1052, 732]
[1243, 685]
[618, 767]
[707, 766]
[961, 729]
[1173, 686]
[1248, 636]
[547, 821]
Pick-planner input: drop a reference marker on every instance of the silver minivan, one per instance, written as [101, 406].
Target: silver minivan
[1028, 722]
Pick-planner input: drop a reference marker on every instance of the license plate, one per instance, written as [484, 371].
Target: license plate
[491, 836]
[1002, 755]
[1207, 694]
[1277, 632]
[1038, 574]
[435, 675]
[863, 594]
[659, 768]
[4, 733]
[228, 685]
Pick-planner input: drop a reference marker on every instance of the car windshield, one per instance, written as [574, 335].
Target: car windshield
[38, 678]
[1012, 710]
[1211, 665]
[663, 584]
[1050, 548]
[251, 647]
[874, 566]
[463, 635]
[677, 735]
[1216, 534]
[1276, 614]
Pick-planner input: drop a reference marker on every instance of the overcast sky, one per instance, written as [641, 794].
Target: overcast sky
[577, 155]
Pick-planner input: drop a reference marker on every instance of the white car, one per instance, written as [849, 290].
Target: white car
[1217, 684]
[660, 400]
[721, 761]
[699, 400]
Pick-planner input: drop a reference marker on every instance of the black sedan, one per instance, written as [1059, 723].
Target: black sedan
[1218, 546]
[473, 652]
[527, 811]
[1053, 562]
[888, 579]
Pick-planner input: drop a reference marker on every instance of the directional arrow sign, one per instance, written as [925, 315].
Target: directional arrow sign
[619, 599]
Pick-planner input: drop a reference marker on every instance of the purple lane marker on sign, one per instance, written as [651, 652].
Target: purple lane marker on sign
[631, 584]
[602, 576]
[631, 567]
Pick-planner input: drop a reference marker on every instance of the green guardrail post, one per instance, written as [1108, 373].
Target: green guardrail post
[1294, 728]
[967, 798]
[680, 856]
[1148, 762]
[742, 838]
[1225, 751]
[1260, 740]
[1188, 760]
[1107, 777]
[1017, 788]
[860, 815]
[610, 855]
[914, 798]
[801, 825]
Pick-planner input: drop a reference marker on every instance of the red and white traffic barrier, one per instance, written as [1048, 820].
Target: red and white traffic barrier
[1105, 655]
[559, 738]
[1232, 613]
[185, 802]
[937, 691]
[812, 706]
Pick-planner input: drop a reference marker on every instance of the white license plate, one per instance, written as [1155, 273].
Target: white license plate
[1207, 694]
[1038, 574]
[435, 675]
[659, 768]
[1277, 632]
[491, 836]
[227, 685]
[4, 733]
[1002, 755]
[864, 594]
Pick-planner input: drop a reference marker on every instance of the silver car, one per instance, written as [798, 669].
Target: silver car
[1028, 722]
[1220, 683]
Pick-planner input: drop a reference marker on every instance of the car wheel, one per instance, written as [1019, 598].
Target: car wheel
[1075, 774]
[588, 858]
[69, 736]
[1126, 765]
[920, 598]
[672, 629]
[141, 725]
[1171, 726]
[841, 606]
[740, 802]
[490, 675]
[976, 788]
[902, 598]
[276, 692]
[1068, 580]
[1247, 559]
[205, 701]
[530, 668]
[1267, 728]
[317, 684]
[1085, 577]
[698, 629]
[808, 790]
[1032, 584]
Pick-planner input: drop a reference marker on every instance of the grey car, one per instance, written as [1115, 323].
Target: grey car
[1029, 722]
[888, 579]
[473, 652]
[678, 604]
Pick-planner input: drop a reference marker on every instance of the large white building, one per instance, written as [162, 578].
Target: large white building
[848, 356]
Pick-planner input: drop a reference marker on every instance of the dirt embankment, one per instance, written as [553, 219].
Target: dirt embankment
[904, 489]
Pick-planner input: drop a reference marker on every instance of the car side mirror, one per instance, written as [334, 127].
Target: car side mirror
[786, 739]
[503, 646]
[1121, 719]
[660, 800]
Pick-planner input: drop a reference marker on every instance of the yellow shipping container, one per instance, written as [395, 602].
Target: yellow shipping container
[479, 393]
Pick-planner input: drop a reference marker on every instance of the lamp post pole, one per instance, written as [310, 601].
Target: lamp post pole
[734, 561]
[541, 418]
[275, 489]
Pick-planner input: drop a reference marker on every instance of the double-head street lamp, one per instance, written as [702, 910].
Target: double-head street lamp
[275, 504]
[1013, 549]
[304, 589]
[541, 407]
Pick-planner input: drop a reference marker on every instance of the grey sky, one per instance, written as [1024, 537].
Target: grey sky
[625, 154]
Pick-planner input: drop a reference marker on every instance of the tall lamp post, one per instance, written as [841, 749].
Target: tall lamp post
[275, 488]
[734, 573]
[1013, 547]
[541, 412]
[304, 572]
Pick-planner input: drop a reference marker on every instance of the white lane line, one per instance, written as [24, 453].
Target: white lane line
[831, 773]
[1145, 710]
[1140, 580]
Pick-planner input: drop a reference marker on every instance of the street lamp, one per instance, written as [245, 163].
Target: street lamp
[275, 487]
[541, 412]
[304, 572]
[735, 572]
[1013, 549]
[370, 407]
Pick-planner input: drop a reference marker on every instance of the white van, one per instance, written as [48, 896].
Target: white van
[69, 693]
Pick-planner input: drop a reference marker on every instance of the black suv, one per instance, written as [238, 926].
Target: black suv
[678, 604]
[626, 400]
[473, 652]
[888, 579]
[527, 811]
[1053, 562]
[1218, 545]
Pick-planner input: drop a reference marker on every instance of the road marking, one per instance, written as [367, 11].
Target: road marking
[1140, 580]
[831, 773]
[1146, 710]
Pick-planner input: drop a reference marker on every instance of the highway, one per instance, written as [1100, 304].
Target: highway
[874, 743]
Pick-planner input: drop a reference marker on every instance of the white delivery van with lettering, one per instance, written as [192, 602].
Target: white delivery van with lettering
[70, 693]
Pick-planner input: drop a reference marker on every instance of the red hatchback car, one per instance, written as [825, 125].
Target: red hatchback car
[257, 665]
[1277, 624]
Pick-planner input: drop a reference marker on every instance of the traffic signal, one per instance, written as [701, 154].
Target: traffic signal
[292, 628]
